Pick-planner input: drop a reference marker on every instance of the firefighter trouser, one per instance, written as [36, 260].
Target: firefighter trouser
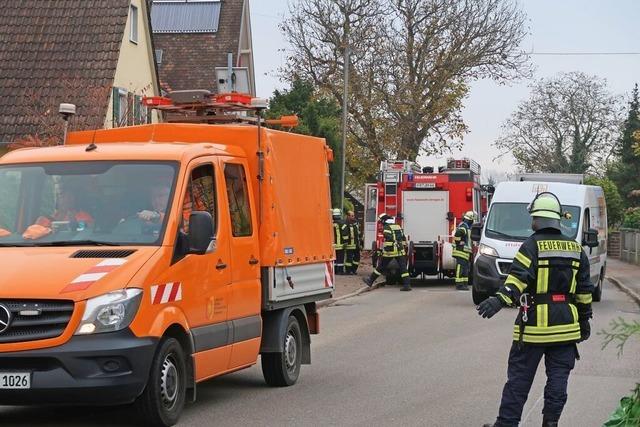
[559, 360]
[352, 260]
[339, 263]
[382, 267]
[462, 271]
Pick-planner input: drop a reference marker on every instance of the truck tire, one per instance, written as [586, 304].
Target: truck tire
[597, 292]
[282, 369]
[163, 399]
[478, 296]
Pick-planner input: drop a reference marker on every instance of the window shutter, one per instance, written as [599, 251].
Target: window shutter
[115, 116]
[137, 108]
[129, 108]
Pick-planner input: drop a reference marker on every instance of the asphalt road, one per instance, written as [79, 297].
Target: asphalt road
[388, 358]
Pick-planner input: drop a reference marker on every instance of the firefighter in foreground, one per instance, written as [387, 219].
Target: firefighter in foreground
[352, 246]
[339, 232]
[549, 281]
[393, 249]
[462, 250]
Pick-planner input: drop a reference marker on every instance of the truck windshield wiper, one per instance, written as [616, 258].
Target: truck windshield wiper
[508, 236]
[78, 243]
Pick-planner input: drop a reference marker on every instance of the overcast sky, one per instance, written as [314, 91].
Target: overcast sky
[555, 26]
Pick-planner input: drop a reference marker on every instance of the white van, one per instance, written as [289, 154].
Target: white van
[508, 224]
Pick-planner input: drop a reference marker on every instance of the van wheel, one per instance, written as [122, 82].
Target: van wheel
[163, 399]
[597, 292]
[282, 369]
[478, 296]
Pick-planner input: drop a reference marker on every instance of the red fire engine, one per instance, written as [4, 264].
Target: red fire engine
[428, 205]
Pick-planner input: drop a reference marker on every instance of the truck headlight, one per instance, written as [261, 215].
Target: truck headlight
[110, 312]
[487, 250]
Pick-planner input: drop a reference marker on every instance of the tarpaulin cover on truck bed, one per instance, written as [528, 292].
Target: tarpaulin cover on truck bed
[295, 219]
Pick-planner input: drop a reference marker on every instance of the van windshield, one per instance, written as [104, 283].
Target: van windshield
[85, 203]
[511, 221]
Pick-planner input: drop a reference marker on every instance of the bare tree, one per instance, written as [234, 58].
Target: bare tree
[411, 65]
[569, 124]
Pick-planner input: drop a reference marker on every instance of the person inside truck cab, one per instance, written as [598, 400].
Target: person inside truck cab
[67, 211]
[159, 201]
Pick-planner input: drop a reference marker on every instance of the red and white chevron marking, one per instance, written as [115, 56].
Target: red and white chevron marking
[169, 292]
[84, 281]
[328, 275]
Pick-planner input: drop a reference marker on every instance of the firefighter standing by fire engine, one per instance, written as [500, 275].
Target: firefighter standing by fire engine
[352, 246]
[549, 280]
[462, 250]
[394, 249]
[339, 240]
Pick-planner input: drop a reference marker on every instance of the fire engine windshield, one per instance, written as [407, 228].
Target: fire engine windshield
[85, 203]
[511, 221]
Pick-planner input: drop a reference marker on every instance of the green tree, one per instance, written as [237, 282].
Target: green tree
[626, 171]
[615, 205]
[318, 116]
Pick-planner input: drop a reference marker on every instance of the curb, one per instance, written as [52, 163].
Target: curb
[624, 288]
[329, 302]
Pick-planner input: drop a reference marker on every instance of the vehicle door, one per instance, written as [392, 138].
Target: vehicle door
[203, 279]
[245, 290]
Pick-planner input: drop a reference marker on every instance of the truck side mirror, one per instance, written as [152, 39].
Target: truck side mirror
[476, 232]
[200, 233]
[590, 238]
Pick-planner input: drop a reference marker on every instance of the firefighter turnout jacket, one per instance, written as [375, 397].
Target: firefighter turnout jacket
[549, 280]
[394, 241]
[340, 235]
[462, 241]
[353, 236]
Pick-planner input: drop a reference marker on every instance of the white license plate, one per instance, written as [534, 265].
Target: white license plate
[14, 380]
[425, 185]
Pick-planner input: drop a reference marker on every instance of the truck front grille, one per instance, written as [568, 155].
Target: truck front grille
[33, 320]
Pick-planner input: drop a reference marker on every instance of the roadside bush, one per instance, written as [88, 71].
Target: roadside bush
[632, 218]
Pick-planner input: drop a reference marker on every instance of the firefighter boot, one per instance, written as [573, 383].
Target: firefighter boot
[368, 281]
[546, 422]
[405, 288]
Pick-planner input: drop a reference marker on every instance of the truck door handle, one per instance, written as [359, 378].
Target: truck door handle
[253, 261]
[221, 265]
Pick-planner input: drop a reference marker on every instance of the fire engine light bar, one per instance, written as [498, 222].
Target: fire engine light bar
[156, 101]
[237, 98]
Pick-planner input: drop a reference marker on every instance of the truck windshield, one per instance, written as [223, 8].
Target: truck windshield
[85, 203]
[511, 221]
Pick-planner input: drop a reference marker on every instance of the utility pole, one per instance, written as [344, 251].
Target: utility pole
[345, 106]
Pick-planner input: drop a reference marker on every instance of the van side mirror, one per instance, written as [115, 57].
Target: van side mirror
[590, 238]
[476, 232]
[200, 233]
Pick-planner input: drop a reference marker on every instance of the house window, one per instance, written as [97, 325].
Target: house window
[159, 56]
[133, 18]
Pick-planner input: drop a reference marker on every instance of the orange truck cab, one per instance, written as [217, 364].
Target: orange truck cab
[140, 261]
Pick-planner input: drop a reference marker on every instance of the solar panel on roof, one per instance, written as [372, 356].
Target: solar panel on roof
[185, 17]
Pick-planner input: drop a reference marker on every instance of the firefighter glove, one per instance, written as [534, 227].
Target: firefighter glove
[489, 307]
[585, 330]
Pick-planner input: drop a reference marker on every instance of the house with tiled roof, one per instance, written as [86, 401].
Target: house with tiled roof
[97, 54]
[192, 39]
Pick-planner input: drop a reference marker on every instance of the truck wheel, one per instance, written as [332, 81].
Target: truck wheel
[163, 399]
[597, 292]
[478, 296]
[283, 369]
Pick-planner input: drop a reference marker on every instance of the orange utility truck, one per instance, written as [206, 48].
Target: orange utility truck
[138, 262]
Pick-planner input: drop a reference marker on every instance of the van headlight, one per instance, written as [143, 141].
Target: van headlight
[487, 250]
[110, 312]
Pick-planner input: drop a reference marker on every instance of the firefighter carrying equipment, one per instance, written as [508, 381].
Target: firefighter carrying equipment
[554, 271]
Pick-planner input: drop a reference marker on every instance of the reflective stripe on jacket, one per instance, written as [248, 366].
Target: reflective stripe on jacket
[554, 270]
[394, 241]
